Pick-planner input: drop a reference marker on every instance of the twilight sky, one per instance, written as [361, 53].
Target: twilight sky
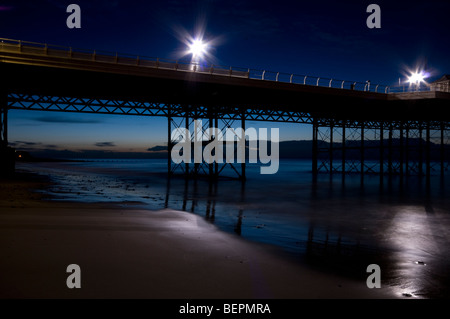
[320, 38]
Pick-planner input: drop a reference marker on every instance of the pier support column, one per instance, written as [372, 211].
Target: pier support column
[421, 149]
[407, 151]
[362, 149]
[331, 147]
[343, 147]
[401, 159]
[7, 154]
[175, 123]
[169, 145]
[198, 136]
[428, 155]
[186, 119]
[216, 165]
[3, 119]
[243, 177]
[381, 152]
[442, 149]
[390, 151]
[315, 148]
[211, 166]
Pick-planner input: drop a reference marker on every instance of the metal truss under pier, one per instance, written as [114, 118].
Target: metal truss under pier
[391, 147]
[191, 122]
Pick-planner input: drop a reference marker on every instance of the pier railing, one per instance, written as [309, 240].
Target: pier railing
[407, 87]
[26, 47]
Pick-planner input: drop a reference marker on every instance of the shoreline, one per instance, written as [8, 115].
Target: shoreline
[137, 253]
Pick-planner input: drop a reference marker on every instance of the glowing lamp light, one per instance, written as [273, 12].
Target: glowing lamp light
[197, 48]
[416, 78]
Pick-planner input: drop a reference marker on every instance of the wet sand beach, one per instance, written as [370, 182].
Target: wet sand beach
[128, 252]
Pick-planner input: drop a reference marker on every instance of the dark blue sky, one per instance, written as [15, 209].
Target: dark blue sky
[320, 38]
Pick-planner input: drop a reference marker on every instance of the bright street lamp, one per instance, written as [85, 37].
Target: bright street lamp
[197, 48]
[416, 78]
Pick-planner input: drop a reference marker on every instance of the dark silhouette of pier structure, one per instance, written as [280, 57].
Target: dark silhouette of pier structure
[352, 122]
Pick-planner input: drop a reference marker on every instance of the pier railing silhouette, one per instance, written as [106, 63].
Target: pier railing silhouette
[184, 65]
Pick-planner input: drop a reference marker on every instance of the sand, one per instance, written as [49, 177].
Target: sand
[127, 252]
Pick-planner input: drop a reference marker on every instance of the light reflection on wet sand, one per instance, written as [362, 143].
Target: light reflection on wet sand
[339, 225]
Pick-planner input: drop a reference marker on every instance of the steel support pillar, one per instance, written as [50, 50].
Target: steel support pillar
[390, 150]
[3, 119]
[175, 123]
[216, 164]
[407, 151]
[421, 150]
[331, 147]
[186, 164]
[238, 168]
[211, 166]
[197, 137]
[381, 152]
[315, 148]
[428, 152]
[343, 147]
[7, 154]
[442, 149]
[169, 145]
[446, 148]
[362, 150]
[401, 159]
[243, 129]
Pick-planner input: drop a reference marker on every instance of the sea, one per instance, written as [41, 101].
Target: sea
[338, 223]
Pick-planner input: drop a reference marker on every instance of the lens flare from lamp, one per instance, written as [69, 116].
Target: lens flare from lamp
[416, 78]
[197, 48]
